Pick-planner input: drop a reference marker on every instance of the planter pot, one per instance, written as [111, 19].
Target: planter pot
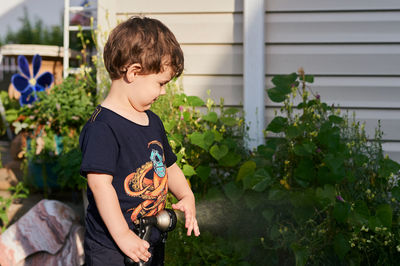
[42, 175]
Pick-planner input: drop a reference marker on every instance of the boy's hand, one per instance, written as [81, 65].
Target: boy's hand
[134, 247]
[187, 205]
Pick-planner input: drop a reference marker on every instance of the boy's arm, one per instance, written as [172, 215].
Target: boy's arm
[178, 185]
[107, 203]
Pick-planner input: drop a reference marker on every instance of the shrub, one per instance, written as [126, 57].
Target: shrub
[326, 194]
[208, 142]
[53, 124]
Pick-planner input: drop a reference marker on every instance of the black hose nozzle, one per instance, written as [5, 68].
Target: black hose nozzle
[165, 221]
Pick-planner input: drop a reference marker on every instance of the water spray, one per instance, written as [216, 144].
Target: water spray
[165, 221]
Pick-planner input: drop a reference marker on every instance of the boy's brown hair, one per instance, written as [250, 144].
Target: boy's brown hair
[145, 41]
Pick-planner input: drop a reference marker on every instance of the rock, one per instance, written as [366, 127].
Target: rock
[15, 167]
[17, 146]
[7, 179]
[48, 234]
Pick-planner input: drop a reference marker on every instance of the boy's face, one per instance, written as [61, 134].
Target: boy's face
[145, 89]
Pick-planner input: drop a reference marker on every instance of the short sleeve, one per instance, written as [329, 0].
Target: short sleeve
[99, 149]
[170, 157]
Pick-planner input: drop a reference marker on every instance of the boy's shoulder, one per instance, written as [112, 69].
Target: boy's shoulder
[100, 114]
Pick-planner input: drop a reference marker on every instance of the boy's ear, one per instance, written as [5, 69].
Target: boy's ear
[132, 71]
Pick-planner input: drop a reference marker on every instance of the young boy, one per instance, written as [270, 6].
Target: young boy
[126, 156]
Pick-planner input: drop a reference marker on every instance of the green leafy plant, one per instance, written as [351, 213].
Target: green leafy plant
[17, 192]
[207, 140]
[208, 249]
[327, 195]
[53, 124]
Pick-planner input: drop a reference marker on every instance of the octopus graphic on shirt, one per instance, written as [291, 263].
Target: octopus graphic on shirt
[152, 191]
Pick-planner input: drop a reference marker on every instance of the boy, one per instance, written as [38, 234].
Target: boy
[126, 156]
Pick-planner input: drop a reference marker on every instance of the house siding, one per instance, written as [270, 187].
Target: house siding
[351, 47]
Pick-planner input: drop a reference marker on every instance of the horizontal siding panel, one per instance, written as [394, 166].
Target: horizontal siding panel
[334, 59]
[193, 6]
[202, 28]
[360, 92]
[318, 5]
[213, 59]
[229, 88]
[346, 27]
[390, 121]
[345, 92]
[178, 6]
[282, 59]
[393, 150]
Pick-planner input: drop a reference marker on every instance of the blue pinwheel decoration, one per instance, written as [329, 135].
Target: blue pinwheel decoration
[29, 85]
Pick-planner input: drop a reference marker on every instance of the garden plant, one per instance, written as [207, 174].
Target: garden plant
[328, 194]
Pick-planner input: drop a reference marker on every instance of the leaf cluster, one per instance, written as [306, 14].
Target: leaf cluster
[325, 191]
[53, 124]
[17, 192]
[208, 140]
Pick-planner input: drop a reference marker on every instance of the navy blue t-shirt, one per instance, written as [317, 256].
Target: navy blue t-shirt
[136, 156]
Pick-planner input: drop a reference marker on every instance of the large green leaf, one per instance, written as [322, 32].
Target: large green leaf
[203, 172]
[231, 111]
[217, 135]
[304, 172]
[169, 125]
[247, 168]
[341, 211]
[268, 214]
[361, 212]
[219, 151]
[230, 160]
[211, 117]
[301, 254]
[293, 131]
[233, 192]
[388, 167]
[278, 124]
[263, 184]
[265, 151]
[285, 80]
[326, 195]
[228, 121]
[325, 176]
[276, 95]
[197, 138]
[384, 213]
[194, 101]
[374, 222]
[336, 119]
[188, 170]
[179, 100]
[276, 194]
[252, 199]
[305, 149]
[249, 181]
[309, 78]
[396, 193]
[341, 245]
[208, 137]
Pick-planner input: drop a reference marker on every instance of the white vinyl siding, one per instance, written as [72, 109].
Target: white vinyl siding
[351, 47]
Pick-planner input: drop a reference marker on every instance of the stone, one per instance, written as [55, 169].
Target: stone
[17, 145]
[7, 179]
[15, 167]
[48, 234]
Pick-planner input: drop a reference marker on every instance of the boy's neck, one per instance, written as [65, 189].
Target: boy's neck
[117, 102]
